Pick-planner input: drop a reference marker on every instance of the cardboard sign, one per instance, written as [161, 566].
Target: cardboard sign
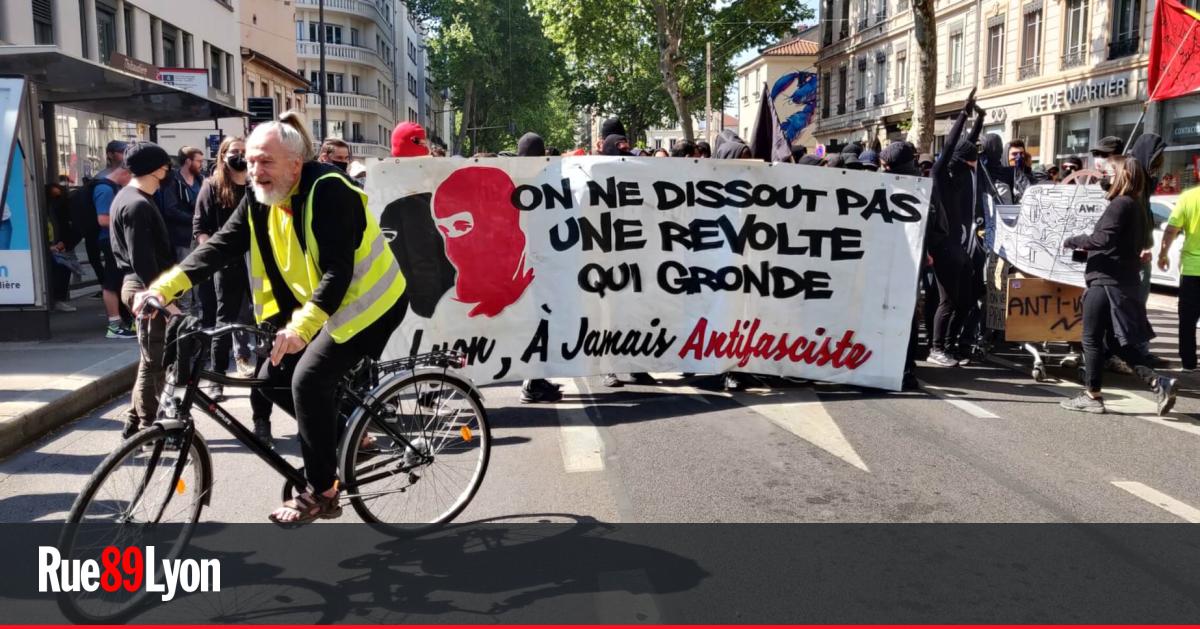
[1041, 310]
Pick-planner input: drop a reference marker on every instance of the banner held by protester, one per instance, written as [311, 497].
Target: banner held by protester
[1049, 215]
[588, 265]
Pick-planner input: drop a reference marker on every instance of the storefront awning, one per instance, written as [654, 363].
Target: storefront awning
[67, 80]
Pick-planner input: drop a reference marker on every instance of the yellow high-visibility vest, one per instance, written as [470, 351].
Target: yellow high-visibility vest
[376, 285]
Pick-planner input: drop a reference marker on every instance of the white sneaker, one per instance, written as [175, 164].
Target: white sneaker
[62, 306]
[245, 367]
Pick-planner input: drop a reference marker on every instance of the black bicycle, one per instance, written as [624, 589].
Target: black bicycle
[414, 449]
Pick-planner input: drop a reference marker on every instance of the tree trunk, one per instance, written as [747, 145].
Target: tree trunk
[669, 39]
[467, 112]
[925, 32]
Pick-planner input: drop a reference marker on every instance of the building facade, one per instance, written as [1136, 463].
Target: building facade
[666, 138]
[1056, 74]
[794, 54]
[268, 51]
[200, 36]
[360, 71]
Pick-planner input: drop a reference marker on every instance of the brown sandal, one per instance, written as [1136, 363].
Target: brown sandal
[311, 506]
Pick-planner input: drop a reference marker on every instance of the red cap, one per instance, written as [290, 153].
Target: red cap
[404, 140]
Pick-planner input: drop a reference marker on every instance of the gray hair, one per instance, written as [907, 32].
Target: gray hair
[291, 132]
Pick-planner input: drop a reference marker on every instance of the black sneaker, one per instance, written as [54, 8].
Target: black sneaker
[611, 381]
[941, 359]
[262, 430]
[1084, 403]
[1165, 391]
[130, 429]
[1158, 362]
[544, 394]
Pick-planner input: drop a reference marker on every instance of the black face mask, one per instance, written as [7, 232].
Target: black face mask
[342, 166]
[236, 163]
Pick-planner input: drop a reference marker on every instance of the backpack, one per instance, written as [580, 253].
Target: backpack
[82, 204]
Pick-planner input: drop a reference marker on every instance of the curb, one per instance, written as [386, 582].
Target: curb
[88, 389]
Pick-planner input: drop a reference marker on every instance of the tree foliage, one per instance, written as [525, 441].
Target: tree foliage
[644, 60]
[505, 76]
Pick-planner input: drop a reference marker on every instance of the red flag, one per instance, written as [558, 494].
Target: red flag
[1174, 51]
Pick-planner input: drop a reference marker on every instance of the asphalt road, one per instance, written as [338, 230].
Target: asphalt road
[982, 443]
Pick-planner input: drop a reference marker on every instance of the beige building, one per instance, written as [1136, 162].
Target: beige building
[268, 51]
[666, 138]
[795, 54]
[1056, 74]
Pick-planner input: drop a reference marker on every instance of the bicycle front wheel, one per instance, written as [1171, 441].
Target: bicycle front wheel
[416, 457]
[148, 492]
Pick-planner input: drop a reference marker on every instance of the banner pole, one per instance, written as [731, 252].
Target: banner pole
[1150, 97]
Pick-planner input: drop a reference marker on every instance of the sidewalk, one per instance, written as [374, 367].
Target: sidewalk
[46, 384]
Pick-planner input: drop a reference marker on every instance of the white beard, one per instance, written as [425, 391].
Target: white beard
[273, 198]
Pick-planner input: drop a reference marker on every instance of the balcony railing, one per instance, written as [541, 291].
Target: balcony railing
[863, 23]
[881, 16]
[361, 8]
[363, 149]
[343, 52]
[860, 104]
[994, 77]
[1123, 47]
[954, 79]
[1074, 58]
[877, 99]
[1029, 70]
[357, 102]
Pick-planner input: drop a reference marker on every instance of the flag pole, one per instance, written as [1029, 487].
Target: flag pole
[1150, 97]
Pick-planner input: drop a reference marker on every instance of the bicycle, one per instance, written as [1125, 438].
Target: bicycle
[413, 429]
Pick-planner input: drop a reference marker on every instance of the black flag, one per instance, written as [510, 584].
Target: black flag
[768, 143]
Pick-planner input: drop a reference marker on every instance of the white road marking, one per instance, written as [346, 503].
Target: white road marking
[969, 408]
[578, 437]
[1184, 425]
[1155, 497]
[805, 416]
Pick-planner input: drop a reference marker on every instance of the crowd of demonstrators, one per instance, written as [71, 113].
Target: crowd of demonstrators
[1114, 315]
[142, 246]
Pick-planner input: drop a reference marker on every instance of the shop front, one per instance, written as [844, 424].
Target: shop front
[1181, 129]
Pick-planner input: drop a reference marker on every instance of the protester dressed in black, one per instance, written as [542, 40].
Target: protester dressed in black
[1112, 308]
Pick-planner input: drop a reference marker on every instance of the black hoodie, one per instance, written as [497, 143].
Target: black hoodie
[954, 187]
[730, 146]
[995, 166]
[1146, 149]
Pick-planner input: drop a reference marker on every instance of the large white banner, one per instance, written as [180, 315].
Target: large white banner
[542, 267]
[1032, 241]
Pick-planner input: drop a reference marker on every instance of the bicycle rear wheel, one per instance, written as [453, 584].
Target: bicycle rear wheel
[146, 493]
[415, 459]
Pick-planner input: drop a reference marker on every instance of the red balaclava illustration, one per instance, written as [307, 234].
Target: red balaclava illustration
[482, 229]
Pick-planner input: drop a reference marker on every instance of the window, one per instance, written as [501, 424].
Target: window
[216, 68]
[187, 51]
[1030, 131]
[250, 89]
[827, 10]
[864, 14]
[266, 91]
[825, 94]
[335, 82]
[1075, 37]
[337, 128]
[354, 39]
[356, 132]
[954, 55]
[299, 30]
[106, 25]
[412, 84]
[333, 33]
[845, 32]
[354, 84]
[43, 22]
[1031, 42]
[841, 108]
[1126, 17]
[412, 51]
[995, 55]
[317, 130]
[880, 78]
[1074, 134]
[129, 28]
[170, 55]
[412, 115]
[860, 80]
[902, 75]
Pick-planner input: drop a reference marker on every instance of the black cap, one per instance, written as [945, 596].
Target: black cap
[897, 153]
[1109, 145]
[612, 126]
[143, 158]
[115, 146]
[531, 145]
[1073, 161]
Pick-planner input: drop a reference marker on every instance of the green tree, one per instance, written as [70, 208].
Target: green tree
[504, 75]
[644, 60]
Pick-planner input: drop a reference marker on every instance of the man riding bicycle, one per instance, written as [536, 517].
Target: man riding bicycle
[322, 272]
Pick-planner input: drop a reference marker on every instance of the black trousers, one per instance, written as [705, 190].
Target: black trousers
[1189, 314]
[304, 385]
[231, 286]
[1097, 328]
[952, 269]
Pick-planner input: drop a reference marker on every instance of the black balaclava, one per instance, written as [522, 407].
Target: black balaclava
[610, 144]
[900, 158]
[966, 151]
[612, 126]
[531, 145]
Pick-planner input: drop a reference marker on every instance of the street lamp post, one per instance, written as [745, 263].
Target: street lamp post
[321, 45]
